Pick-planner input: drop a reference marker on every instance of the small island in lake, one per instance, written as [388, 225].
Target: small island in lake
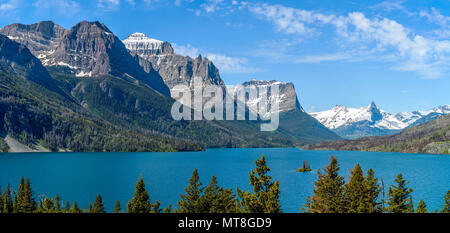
[305, 167]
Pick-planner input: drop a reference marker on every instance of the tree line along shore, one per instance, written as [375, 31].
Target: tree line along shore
[362, 193]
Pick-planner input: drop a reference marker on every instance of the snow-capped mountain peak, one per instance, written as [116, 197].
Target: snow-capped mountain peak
[372, 117]
[142, 45]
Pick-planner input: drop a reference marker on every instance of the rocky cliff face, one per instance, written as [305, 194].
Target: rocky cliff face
[173, 68]
[287, 97]
[16, 59]
[41, 38]
[91, 49]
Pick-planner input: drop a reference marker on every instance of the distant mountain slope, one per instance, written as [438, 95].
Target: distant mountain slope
[354, 123]
[431, 137]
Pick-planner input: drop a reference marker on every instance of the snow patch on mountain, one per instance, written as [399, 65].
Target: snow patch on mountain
[340, 116]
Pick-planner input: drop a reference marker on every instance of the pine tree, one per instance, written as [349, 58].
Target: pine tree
[168, 209]
[266, 193]
[217, 199]
[373, 190]
[421, 208]
[67, 207]
[355, 191]
[57, 201]
[23, 200]
[90, 209]
[98, 205]
[8, 206]
[328, 193]
[47, 206]
[117, 208]
[75, 209]
[140, 203]
[446, 207]
[306, 208]
[398, 196]
[410, 205]
[190, 201]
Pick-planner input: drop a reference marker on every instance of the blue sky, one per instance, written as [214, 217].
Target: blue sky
[396, 53]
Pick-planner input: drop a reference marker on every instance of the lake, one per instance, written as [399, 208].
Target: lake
[81, 176]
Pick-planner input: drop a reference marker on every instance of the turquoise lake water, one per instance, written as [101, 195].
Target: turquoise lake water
[81, 176]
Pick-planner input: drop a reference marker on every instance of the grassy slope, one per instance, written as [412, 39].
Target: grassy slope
[430, 137]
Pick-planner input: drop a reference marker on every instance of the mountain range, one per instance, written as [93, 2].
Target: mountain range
[432, 137]
[84, 89]
[354, 123]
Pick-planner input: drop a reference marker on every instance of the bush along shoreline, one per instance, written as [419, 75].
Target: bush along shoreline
[362, 193]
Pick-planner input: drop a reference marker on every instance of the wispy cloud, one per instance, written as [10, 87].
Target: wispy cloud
[381, 36]
[108, 4]
[66, 7]
[435, 16]
[393, 6]
[226, 64]
[323, 58]
[9, 5]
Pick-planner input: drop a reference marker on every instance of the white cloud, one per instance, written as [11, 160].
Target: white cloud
[187, 50]
[393, 6]
[9, 5]
[290, 20]
[63, 6]
[225, 63]
[434, 16]
[228, 64]
[212, 5]
[322, 58]
[108, 4]
[384, 38]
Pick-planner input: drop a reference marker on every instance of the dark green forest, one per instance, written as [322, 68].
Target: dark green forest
[361, 193]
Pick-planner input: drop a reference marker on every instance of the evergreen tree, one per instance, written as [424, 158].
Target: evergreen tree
[190, 201]
[67, 207]
[23, 200]
[98, 205]
[398, 196]
[421, 208]
[410, 205]
[266, 193]
[47, 206]
[57, 201]
[117, 208]
[90, 209]
[328, 193]
[75, 209]
[140, 203]
[446, 207]
[306, 208]
[8, 206]
[355, 191]
[168, 209]
[217, 199]
[373, 190]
